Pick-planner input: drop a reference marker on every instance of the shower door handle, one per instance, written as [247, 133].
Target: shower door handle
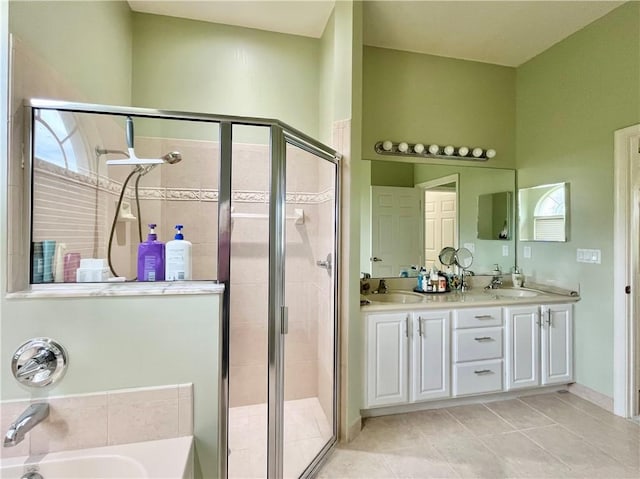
[284, 320]
[326, 264]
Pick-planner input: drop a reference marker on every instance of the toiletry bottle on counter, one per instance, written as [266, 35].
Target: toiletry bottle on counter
[37, 263]
[151, 258]
[178, 258]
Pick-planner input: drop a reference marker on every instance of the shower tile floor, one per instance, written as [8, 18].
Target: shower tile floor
[306, 431]
[555, 436]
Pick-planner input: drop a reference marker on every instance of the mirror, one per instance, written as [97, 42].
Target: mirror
[494, 216]
[397, 230]
[543, 213]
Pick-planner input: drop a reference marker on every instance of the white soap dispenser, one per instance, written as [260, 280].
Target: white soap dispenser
[178, 258]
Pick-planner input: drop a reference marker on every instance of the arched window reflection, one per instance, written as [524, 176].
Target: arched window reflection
[549, 216]
[57, 139]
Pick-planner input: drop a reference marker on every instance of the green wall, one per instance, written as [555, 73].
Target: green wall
[570, 100]
[388, 173]
[198, 66]
[89, 43]
[428, 99]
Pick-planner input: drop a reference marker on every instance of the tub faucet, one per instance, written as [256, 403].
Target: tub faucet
[32, 416]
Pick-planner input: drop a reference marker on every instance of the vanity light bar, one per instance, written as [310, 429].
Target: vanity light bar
[421, 150]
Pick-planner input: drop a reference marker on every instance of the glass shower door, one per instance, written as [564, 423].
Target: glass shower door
[309, 410]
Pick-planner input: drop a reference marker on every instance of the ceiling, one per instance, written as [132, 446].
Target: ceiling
[500, 32]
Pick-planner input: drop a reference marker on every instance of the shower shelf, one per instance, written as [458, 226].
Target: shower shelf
[298, 216]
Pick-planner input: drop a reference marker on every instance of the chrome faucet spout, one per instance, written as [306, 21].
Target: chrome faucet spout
[31, 417]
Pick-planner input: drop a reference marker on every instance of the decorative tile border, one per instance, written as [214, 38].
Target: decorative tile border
[174, 194]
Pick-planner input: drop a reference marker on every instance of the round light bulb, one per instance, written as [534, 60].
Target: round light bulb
[403, 147]
[434, 149]
[387, 145]
[418, 148]
[477, 152]
[463, 151]
[448, 150]
[491, 153]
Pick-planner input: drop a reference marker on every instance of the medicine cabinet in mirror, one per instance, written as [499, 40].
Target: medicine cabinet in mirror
[543, 213]
[414, 210]
[494, 216]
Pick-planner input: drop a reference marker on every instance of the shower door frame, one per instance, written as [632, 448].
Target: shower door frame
[284, 134]
[278, 311]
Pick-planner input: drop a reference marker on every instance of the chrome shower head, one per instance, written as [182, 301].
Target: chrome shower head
[172, 157]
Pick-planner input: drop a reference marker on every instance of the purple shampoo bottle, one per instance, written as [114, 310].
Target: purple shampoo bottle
[151, 258]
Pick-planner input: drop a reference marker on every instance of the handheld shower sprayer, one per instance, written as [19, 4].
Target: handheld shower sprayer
[142, 167]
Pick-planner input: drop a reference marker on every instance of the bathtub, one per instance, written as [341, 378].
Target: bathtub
[167, 458]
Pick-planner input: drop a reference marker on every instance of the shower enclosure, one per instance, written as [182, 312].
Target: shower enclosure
[264, 222]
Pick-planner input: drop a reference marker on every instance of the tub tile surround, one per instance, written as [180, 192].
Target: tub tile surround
[102, 419]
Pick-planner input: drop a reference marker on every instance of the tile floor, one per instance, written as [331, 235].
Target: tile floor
[306, 431]
[554, 435]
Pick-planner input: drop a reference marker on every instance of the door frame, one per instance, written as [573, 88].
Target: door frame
[626, 258]
[427, 185]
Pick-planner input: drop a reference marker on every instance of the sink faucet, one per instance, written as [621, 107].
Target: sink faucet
[496, 281]
[382, 287]
[32, 416]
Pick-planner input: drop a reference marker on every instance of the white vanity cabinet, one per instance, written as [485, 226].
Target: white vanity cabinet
[430, 360]
[539, 345]
[478, 351]
[556, 344]
[421, 355]
[523, 346]
[407, 357]
[387, 353]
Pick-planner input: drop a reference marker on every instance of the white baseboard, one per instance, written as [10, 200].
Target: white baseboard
[588, 394]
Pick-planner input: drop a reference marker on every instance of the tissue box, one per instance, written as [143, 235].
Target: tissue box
[92, 270]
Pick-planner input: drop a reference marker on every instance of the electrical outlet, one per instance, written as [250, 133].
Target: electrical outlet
[527, 251]
[505, 250]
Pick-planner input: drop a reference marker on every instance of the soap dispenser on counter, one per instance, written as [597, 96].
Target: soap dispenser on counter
[151, 257]
[517, 278]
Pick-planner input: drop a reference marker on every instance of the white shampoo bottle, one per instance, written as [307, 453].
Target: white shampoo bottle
[178, 258]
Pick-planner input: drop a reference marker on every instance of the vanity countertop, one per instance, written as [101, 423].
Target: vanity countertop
[470, 299]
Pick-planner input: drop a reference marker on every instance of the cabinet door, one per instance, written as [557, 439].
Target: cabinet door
[430, 356]
[557, 344]
[387, 359]
[523, 347]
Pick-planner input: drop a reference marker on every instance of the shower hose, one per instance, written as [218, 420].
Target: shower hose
[115, 216]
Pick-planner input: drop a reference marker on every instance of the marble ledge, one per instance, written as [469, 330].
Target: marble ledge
[84, 290]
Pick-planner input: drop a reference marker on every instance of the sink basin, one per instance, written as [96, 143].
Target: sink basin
[405, 297]
[515, 292]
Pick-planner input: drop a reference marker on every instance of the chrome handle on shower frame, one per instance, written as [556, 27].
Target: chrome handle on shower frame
[129, 130]
[326, 264]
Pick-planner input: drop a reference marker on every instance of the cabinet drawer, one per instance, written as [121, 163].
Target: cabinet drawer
[477, 344]
[477, 377]
[477, 318]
